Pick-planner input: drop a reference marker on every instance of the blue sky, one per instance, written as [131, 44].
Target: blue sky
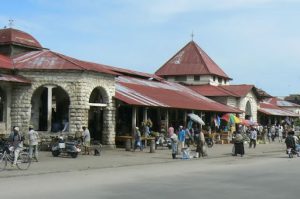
[253, 41]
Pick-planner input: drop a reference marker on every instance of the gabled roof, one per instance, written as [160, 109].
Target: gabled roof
[49, 60]
[191, 60]
[5, 62]
[222, 91]
[13, 36]
[141, 92]
[271, 109]
[281, 103]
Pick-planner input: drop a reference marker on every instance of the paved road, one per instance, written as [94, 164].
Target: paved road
[270, 174]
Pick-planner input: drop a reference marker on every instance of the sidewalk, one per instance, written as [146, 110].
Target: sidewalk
[112, 158]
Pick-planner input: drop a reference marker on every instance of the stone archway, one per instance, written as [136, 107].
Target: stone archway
[248, 111]
[50, 109]
[98, 101]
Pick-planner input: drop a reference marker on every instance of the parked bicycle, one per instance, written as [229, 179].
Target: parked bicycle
[7, 156]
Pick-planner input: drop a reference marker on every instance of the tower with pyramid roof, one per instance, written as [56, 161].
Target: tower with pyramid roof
[191, 65]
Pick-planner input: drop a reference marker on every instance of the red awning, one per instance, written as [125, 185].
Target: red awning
[13, 78]
[271, 109]
[165, 94]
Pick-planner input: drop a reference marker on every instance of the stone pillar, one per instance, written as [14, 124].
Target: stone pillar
[49, 107]
[8, 109]
[109, 134]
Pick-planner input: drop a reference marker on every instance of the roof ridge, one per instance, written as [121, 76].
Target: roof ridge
[198, 48]
[67, 59]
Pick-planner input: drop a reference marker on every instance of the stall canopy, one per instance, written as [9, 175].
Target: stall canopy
[13, 78]
[166, 94]
[271, 109]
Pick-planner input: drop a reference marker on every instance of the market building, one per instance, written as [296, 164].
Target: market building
[192, 67]
[57, 93]
[52, 91]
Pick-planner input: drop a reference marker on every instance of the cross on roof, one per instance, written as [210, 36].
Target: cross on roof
[192, 35]
[11, 23]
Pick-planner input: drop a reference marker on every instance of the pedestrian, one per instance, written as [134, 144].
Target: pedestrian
[174, 142]
[181, 137]
[253, 137]
[273, 133]
[170, 131]
[280, 133]
[16, 141]
[200, 141]
[33, 142]
[238, 144]
[86, 138]
[137, 139]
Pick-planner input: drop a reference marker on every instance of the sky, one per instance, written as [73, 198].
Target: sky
[253, 41]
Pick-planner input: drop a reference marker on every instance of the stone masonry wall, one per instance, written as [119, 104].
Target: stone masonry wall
[78, 86]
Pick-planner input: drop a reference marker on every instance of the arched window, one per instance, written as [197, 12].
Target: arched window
[248, 112]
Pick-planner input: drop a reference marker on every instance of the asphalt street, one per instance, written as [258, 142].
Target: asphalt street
[263, 173]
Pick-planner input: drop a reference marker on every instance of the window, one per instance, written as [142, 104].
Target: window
[219, 80]
[196, 77]
[180, 78]
[214, 78]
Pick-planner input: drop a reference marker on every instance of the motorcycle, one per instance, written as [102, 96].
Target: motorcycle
[209, 142]
[162, 141]
[291, 152]
[61, 146]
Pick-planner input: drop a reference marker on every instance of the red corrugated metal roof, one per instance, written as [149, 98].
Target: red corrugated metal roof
[5, 62]
[280, 102]
[225, 90]
[271, 109]
[49, 60]
[10, 35]
[191, 60]
[13, 78]
[165, 94]
[128, 72]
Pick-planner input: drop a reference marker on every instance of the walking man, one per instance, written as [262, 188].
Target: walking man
[253, 137]
[33, 142]
[86, 136]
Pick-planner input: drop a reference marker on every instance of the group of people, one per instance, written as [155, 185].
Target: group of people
[16, 142]
[185, 136]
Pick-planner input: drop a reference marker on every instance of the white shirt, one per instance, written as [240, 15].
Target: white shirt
[33, 137]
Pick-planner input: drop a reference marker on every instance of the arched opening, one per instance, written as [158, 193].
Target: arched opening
[248, 112]
[98, 101]
[2, 105]
[60, 103]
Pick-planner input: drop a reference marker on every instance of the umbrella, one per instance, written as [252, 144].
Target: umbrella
[196, 118]
[248, 122]
[229, 117]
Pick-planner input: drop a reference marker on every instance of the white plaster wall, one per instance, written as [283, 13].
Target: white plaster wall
[253, 102]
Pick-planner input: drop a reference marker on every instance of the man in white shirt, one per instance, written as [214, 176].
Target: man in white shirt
[33, 142]
[86, 136]
[253, 137]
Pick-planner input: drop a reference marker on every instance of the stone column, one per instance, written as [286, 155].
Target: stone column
[49, 107]
[8, 109]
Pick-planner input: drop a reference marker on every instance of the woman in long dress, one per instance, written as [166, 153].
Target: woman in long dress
[239, 145]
